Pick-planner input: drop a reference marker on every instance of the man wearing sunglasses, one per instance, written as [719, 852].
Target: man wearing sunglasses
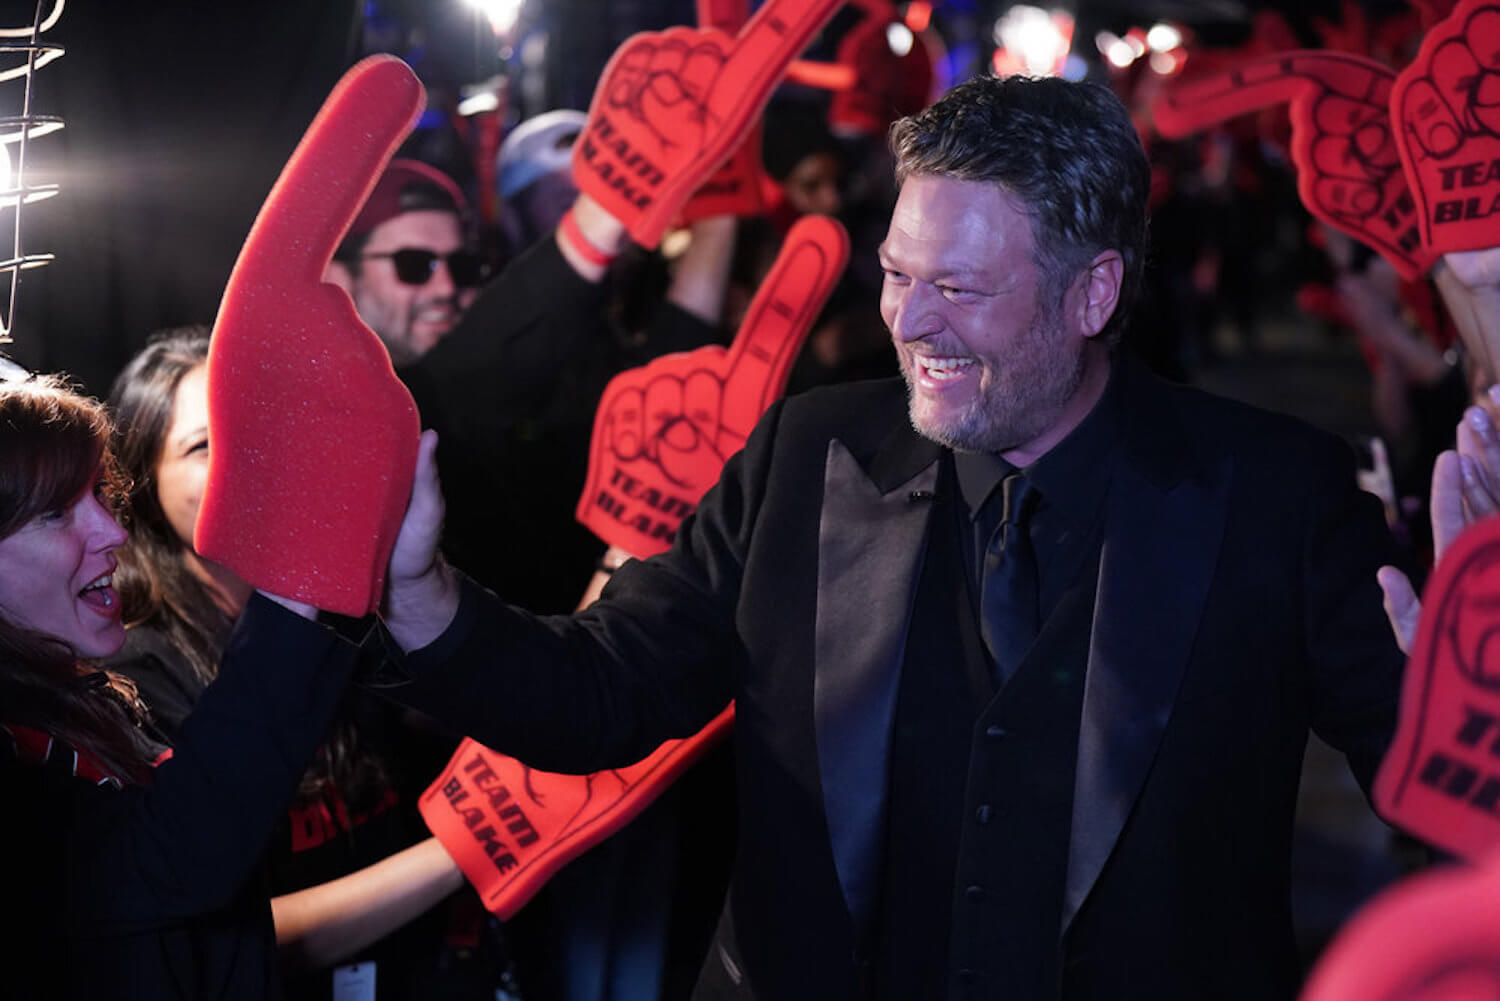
[405, 262]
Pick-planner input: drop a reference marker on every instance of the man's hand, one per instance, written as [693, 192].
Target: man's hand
[663, 431]
[1465, 489]
[672, 105]
[313, 439]
[421, 595]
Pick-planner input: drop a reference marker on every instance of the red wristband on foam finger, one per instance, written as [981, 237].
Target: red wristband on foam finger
[312, 439]
[1440, 780]
[663, 431]
[671, 106]
[1347, 166]
[510, 827]
[1447, 108]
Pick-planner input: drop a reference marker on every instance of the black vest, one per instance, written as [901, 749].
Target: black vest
[981, 793]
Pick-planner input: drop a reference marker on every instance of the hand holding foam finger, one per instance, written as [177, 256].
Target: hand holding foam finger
[1441, 778]
[1348, 171]
[313, 439]
[671, 106]
[694, 410]
[1447, 108]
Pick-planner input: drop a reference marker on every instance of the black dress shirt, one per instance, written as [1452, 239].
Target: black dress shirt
[1073, 477]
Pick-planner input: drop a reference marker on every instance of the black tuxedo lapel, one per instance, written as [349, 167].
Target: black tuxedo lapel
[1163, 529]
[870, 544]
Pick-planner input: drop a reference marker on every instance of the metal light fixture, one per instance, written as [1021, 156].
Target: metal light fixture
[22, 53]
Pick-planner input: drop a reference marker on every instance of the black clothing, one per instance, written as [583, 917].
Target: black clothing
[512, 392]
[320, 838]
[149, 891]
[1226, 619]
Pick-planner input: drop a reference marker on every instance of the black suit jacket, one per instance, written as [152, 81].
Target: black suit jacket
[1236, 606]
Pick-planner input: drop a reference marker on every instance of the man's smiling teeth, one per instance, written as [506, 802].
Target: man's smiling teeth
[945, 368]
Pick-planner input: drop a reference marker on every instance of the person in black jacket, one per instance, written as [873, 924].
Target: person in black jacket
[941, 796]
[132, 873]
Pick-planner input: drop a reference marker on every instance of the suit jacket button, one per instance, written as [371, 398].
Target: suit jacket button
[975, 893]
[968, 976]
[994, 732]
[985, 813]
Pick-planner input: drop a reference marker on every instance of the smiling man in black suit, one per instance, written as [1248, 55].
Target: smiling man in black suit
[1025, 649]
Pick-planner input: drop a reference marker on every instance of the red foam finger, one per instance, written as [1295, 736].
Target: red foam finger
[701, 404]
[1342, 141]
[313, 440]
[779, 318]
[1432, 937]
[1447, 106]
[510, 827]
[726, 15]
[672, 106]
[1440, 780]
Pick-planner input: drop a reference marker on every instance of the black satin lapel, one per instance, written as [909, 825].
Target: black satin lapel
[870, 546]
[1160, 550]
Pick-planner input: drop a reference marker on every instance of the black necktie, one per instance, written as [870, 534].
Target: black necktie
[1008, 590]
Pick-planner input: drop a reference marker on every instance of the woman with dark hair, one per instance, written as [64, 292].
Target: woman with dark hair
[333, 863]
[131, 871]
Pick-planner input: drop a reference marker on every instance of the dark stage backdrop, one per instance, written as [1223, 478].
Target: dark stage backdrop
[179, 116]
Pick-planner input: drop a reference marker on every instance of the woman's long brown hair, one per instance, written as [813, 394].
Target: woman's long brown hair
[54, 443]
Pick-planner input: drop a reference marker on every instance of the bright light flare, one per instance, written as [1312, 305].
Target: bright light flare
[478, 104]
[1037, 39]
[501, 14]
[899, 37]
[1163, 38]
[1168, 63]
[1115, 50]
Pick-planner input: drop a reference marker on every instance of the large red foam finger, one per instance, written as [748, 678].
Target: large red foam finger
[1448, 143]
[671, 106]
[779, 318]
[638, 503]
[313, 440]
[510, 827]
[1342, 142]
[1440, 780]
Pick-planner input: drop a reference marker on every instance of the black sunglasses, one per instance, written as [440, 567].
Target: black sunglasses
[416, 267]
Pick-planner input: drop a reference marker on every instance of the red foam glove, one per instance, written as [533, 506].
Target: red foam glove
[1440, 780]
[1448, 105]
[735, 187]
[1348, 170]
[887, 86]
[312, 439]
[510, 827]
[1432, 937]
[663, 431]
[671, 106]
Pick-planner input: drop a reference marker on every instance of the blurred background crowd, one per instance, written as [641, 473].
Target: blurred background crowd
[179, 116]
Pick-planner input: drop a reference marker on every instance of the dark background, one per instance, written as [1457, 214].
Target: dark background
[180, 114]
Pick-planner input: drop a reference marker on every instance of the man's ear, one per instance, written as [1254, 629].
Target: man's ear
[338, 273]
[1096, 292]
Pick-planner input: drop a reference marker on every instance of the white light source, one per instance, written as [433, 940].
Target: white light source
[899, 37]
[1114, 49]
[1033, 37]
[479, 103]
[501, 14]
[1163, 38]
